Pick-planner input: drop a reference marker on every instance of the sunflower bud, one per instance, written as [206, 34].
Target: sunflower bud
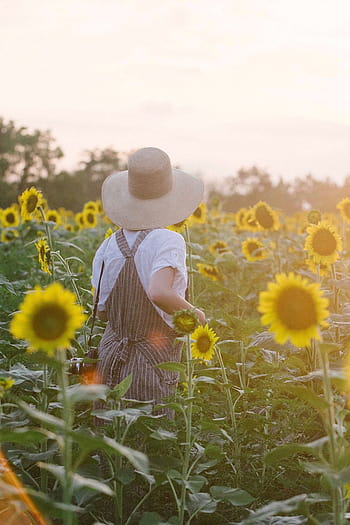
[185, 321]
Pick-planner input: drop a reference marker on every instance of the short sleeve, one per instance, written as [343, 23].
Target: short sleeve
[172, 252]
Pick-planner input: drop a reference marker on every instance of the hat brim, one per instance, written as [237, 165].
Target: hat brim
[129, 212]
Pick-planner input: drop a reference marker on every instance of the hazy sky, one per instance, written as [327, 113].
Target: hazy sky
[218, 84]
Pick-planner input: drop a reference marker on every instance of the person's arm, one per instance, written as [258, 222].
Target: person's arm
[163, 295]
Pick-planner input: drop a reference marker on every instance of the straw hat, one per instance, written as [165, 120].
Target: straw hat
[150, 193]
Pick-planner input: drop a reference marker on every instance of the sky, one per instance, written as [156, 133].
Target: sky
[219, 85]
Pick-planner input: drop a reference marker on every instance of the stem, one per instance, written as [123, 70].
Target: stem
[43, 447]
[227, 390]
[188, 424]
[336, 302]
[118, 463]
[149, 492]
[338, 511]
[67, 443]
[190, 262]
[74, 286]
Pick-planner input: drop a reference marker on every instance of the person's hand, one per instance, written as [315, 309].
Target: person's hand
[201, 316]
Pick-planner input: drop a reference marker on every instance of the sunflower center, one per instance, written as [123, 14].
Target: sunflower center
[91, 218]
[32, 203]
[324, 242]
[203, 344]
[50, 322]
[264, 217]
[296, 308]
[10, 217]
[254, 249]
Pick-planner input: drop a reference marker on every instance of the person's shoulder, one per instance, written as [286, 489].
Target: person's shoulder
[165, 235]
[105, 244]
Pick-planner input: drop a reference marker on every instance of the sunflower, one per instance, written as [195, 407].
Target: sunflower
[9, 235]
[91, 205]
[240, 218]
[48, 318]
[99, 206]
[108, 233]
[30, 200]
[218, 247]
[185, 321]
[253, 250]
[249, 221]
[203, 342]
[314, 216]
[199, 215]
[10, 217]
[90, 218]
[265, 216]
[43, 255]
[323, 269]
[53, 216]
[209, 270]
[323, 242]
[5, 384]
[178, 227]
[344, 207]
[79, 220]
[294, 308]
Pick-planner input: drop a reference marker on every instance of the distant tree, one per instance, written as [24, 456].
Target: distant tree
[321, 194]
[26, 156]
[72, 190]
[100, 163]
[254, 184]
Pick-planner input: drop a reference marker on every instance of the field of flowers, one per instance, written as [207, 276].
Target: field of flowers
[261, 428]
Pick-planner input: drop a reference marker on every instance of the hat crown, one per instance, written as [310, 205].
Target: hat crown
[149, 173]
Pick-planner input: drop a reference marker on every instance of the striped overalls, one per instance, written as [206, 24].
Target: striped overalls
[136, 337]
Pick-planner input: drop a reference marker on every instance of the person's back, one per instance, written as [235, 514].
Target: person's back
[142, 271]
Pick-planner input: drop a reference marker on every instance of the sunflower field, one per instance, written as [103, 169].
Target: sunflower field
[261, 427]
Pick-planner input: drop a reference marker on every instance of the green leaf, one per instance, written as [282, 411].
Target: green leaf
[205, 379]
[138, 460]
[303, 393]
[78, 480]
[162, 435]
[172, 366]
[78, 393]
[237, 497]
[195, 483]
[125, 475]
[152, 518]
[285, 451]
[21, 435]
[200, 502]
[121, 389]
[48, 419]
[7, 284]
[285, 506]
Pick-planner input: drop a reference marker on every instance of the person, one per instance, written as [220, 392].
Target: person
[142, 273]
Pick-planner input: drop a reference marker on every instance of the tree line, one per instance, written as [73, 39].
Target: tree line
[31, 157]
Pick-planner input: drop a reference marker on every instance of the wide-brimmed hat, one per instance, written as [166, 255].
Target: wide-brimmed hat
[150, 193]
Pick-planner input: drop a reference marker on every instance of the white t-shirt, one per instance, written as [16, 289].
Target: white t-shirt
[160, 249]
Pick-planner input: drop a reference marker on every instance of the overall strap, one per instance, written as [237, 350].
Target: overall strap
[123, 243]
[141, 236]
